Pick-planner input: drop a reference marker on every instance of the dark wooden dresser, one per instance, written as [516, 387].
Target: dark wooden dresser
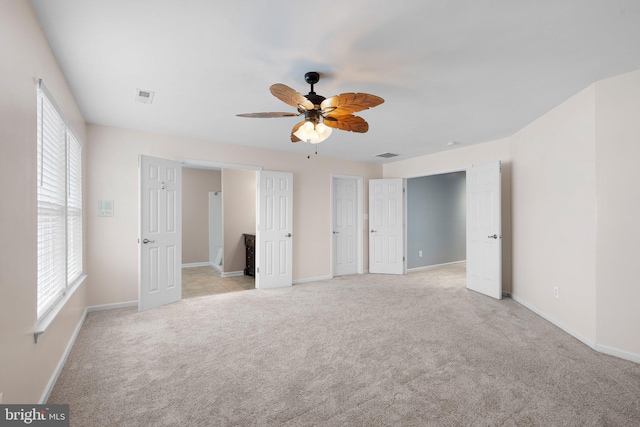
[250, 246]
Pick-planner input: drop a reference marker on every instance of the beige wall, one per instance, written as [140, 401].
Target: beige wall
[591, 234]
[574, 211]
[460, 159]
[617, 176]
[196, 185]
[554, 213]
[26, 367]
[113, 250]
[238, 215]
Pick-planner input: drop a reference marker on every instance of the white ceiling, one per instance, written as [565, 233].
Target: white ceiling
[465, 71]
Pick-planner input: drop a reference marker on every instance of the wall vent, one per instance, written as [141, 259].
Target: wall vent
[144, 96]
[386, 155]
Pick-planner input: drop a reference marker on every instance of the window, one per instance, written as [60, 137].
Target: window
[59, 197]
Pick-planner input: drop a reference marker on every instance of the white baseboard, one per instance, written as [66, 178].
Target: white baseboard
[559, 324]
[312, 279]
[56, 373]
[618, 353]
[112, 306]
[604, 349]
[217, 267]
[232, 273]
[196, 264]
[429, 267]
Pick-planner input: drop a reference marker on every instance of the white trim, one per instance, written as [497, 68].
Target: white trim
[56, 373]
[47, 319]
[205, 164]
[312, 279]
[217, 267]
[197, 264]
[112, 306]
[611, 351]
[438, 173]
[429, 267]
[560, 325]
[604, 349]
[232, 273]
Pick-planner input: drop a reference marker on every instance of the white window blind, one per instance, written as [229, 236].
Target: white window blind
[59, 204]
[74, 209]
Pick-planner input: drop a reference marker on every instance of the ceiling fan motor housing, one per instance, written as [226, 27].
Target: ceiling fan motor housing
[312, 77]
[315, 98]
[312, 116]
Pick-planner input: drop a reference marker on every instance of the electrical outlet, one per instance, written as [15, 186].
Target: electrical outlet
[420, 254]
[555, 292]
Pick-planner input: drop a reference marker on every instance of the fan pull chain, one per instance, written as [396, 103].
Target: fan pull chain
[308, 153]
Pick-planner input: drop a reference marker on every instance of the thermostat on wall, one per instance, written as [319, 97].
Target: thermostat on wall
[105, 207]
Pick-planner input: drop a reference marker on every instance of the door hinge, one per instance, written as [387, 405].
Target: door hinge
[402, 259]
[257, 269]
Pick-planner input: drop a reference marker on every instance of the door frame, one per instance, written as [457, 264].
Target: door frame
[359, 220]
[206, 164]
[464, 169]
[406, 229]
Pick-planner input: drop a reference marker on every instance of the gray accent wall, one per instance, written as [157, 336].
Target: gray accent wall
[436, 219]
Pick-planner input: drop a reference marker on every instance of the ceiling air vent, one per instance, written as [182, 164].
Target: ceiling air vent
[144, 96]
[386, 155]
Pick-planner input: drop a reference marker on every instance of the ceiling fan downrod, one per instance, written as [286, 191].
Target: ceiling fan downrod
[312, 78]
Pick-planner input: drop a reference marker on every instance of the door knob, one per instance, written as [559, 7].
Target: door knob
[145, 241]
[373, 231]
[495, 236]
[287, 235]
[335, 232]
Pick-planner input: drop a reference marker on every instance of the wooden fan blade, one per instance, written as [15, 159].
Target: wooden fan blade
[349, 123]
[295, 129]
[289, 96]
[267, 115]
[347, 103]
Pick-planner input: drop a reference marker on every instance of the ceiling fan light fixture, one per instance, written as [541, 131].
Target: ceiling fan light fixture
[338, 111]
[313, 134]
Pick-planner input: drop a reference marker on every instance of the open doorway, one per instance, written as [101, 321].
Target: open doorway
[436, 220]
[267, 197]
[436, 208]
[218, 210]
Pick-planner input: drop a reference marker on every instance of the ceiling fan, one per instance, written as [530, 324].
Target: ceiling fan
[320, 113]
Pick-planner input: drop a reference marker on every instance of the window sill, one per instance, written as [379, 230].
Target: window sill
[44, 323]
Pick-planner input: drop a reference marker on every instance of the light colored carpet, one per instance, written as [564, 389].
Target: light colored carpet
[369, 350]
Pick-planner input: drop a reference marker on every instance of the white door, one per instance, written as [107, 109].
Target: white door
[484, 232]
[345, 226]
[274, 239]
[160, 239]
[386, 226]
